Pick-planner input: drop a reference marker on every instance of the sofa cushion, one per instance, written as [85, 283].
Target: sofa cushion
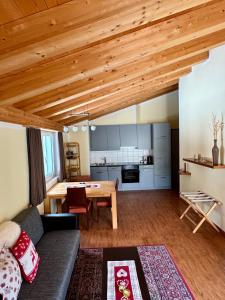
[27, 257]
[30, 221]
[58, 251]
[9, 234]
[10, 276]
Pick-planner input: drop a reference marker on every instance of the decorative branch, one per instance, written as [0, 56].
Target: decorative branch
[216, 124]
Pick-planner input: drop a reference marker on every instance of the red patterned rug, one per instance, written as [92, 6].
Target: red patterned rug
[163, 279]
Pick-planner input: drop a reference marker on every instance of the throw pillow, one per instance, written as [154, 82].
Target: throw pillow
[9, 234]
[27, 257]
[10, 276]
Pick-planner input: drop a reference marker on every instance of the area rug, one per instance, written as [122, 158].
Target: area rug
[162, 276]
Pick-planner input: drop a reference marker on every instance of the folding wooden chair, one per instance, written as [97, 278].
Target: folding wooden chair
[194, 199]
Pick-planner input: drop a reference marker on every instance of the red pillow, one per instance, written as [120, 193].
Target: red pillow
[27, 256]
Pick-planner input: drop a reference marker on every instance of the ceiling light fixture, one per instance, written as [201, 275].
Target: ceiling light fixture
[66, 129]
[75, 128]
[93, 128]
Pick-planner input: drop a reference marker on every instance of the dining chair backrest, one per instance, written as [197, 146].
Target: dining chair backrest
[82, 178]
[76, 196]
[117, 184]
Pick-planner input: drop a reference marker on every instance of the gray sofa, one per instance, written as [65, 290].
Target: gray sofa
[57, 241]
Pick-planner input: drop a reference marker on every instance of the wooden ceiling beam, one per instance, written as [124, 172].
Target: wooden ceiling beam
[126, 102]
[82, 87]
[114, 53]
[59, 30]
[133, 93]
[62, 111]
[17, 116]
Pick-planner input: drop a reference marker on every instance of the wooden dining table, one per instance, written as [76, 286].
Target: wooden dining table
[94, 189]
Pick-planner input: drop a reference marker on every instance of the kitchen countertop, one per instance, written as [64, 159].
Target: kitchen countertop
[118, 164]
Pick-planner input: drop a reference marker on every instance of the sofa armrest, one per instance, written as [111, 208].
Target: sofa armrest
[60, 221]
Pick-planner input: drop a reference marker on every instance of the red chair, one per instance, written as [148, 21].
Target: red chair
[77, 202]
[105, 202]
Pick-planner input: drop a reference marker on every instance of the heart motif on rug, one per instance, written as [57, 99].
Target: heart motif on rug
[121, 273]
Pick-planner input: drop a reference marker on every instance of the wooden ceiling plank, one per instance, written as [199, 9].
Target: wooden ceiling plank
[60, 29]
[9, 11]
[63, 110]
[63, 95]
[52, 75]
[17, 116]
[145, 96]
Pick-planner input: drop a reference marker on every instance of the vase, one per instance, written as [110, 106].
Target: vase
[215, 154]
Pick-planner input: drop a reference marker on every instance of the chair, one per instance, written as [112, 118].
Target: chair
[77, 202]
[105, 202]
[82, 178]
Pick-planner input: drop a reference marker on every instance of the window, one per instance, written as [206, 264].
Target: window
[49, 146]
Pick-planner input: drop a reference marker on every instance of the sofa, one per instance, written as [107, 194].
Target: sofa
[57, 239]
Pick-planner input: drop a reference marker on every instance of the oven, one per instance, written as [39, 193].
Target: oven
[130, 174]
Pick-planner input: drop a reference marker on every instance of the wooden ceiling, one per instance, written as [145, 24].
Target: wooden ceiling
[61, 60]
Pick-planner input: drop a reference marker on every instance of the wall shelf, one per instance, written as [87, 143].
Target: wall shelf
[204, 164]
[185, 173]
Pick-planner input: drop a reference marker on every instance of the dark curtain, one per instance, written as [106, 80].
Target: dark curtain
[37, 183]
[62, 173]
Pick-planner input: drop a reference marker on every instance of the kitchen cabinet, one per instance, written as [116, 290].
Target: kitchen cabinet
[161, 130]
[128, 135]
[162, 182]
[99, 173]
[113, 137]
[144, 136]
[146, 177]
[162, 155]
[114, 173]
[98, 139]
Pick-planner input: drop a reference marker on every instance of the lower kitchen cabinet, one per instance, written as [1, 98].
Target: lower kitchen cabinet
[162, 182]
[146, 177]
[114, 173]
[99, 173]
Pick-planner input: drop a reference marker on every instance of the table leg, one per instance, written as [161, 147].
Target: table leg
[114, 210]
[47, 207]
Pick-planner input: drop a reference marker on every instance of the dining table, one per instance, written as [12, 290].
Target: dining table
[94, 189]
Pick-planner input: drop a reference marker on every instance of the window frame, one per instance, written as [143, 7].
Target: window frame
[55, 154]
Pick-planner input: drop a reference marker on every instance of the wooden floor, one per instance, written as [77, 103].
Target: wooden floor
[153, 218]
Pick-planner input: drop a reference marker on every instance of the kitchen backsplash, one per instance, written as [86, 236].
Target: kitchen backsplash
[126, 154]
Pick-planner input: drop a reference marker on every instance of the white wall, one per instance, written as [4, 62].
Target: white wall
[200, 94]
[160, 109]
[14, 185]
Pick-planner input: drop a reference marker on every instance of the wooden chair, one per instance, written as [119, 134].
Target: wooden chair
[105, 202]
[82, 178]
[77, 202]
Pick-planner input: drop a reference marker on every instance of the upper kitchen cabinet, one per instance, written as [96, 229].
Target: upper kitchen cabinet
[144, 136]
[161, 130]
[128, 135]
[113, 134]
[99, 139]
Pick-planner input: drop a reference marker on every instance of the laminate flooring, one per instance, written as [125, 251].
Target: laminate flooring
[152, 217]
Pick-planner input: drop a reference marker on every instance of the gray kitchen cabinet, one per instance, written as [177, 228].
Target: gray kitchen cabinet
[162, 155]
[161, 130]
[146, 177]
[128, 135]
[144, 136]
[113, 136]
[98, 139]
[114, 173]
[162, 182]
[99, 173]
